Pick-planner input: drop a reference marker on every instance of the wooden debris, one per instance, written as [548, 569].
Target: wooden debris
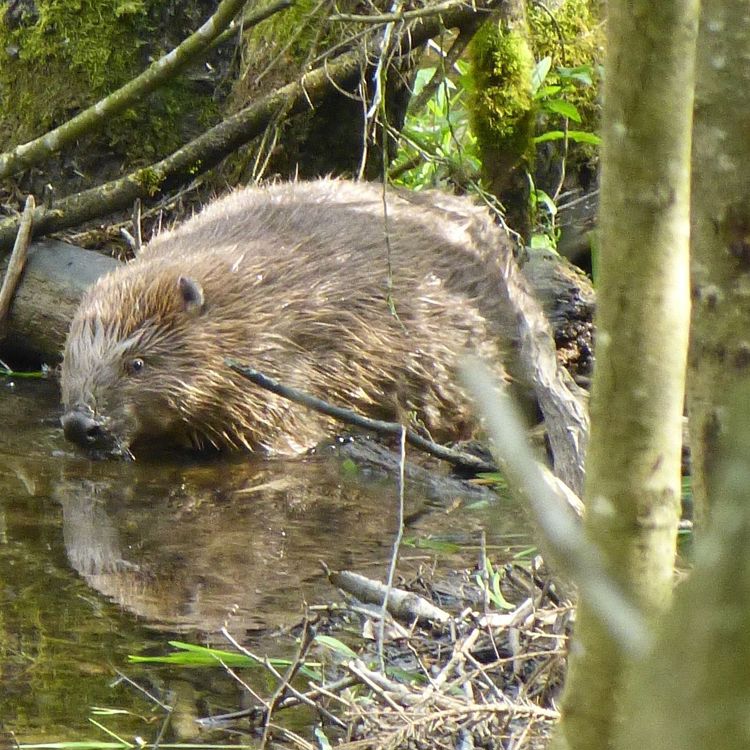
[470, 680]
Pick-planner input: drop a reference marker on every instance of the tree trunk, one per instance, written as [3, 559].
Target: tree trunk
[720, 349]
[694, 688]
[633, 471]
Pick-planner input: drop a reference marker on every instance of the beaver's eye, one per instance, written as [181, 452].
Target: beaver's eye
[135, 366]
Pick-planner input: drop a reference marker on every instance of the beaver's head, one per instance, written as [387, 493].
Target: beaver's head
[128, 361]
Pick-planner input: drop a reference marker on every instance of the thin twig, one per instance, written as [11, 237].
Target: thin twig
[447, 61]
[306, 639]
[379, 683]
[396, 546]
[430, 10]
[121, 676]
[17, 261]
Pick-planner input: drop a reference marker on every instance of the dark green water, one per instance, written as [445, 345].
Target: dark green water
[99, 560]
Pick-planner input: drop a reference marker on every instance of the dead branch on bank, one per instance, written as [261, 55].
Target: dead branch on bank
[17, 261]
[211, 147]
[401, 604]
[470, 681]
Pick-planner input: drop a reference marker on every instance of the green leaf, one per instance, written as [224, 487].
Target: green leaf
[323, 741]
[190, 655]
[526, 553]
[579, 136]
[581, 74]
[407, 676]
[497, 595]
[478, 505]
[584, 136]
[422, 77]
[39, 374]
[493, 476]
[437, 545]
[541, 69]
[547, 91]
[542, 241]
[561, 107]
[550, 135]
[334, 644]
[349, 467]
[543, 199]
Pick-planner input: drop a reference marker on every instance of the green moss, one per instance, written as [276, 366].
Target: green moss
[501, 102]
[296, 31]
[575, 37]
[149, 179]
[72, 53]
[286, 40]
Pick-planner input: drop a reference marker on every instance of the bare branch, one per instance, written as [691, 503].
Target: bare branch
[455, 458]
[407, 15]
[17, 261]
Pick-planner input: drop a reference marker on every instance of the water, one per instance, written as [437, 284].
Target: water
[99, 560]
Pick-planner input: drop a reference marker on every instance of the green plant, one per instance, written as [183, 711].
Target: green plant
[488, 581]
[437, 145]
[545, 233]
[439, 149]
[191, 655]
[553, 92]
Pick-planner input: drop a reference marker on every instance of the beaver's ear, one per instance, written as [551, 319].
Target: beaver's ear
[192, 295]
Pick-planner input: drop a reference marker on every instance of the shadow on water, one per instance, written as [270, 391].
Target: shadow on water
[102, 559]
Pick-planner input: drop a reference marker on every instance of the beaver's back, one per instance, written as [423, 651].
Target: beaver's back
[335, 224]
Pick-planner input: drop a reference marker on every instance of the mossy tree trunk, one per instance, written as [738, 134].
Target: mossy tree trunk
[502, 111]
[632, 488]
[720, 345]
[58, 58]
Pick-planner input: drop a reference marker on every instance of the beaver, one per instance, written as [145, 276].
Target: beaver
[363, 298]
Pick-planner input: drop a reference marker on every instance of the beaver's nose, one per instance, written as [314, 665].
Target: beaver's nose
[81, 428]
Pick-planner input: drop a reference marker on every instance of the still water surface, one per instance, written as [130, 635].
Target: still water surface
[99, 560]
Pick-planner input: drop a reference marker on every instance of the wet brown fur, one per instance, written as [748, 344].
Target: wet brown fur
[294, 283]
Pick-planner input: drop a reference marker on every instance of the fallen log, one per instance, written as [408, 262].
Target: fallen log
[53, 282]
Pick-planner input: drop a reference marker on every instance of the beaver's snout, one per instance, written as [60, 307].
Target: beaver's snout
[80, 427]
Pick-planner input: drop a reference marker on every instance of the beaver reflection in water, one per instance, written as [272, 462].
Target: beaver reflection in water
[292, 280]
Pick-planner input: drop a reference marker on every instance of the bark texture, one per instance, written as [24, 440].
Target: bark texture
[53, 282]
[720, 343]
[694, 688]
